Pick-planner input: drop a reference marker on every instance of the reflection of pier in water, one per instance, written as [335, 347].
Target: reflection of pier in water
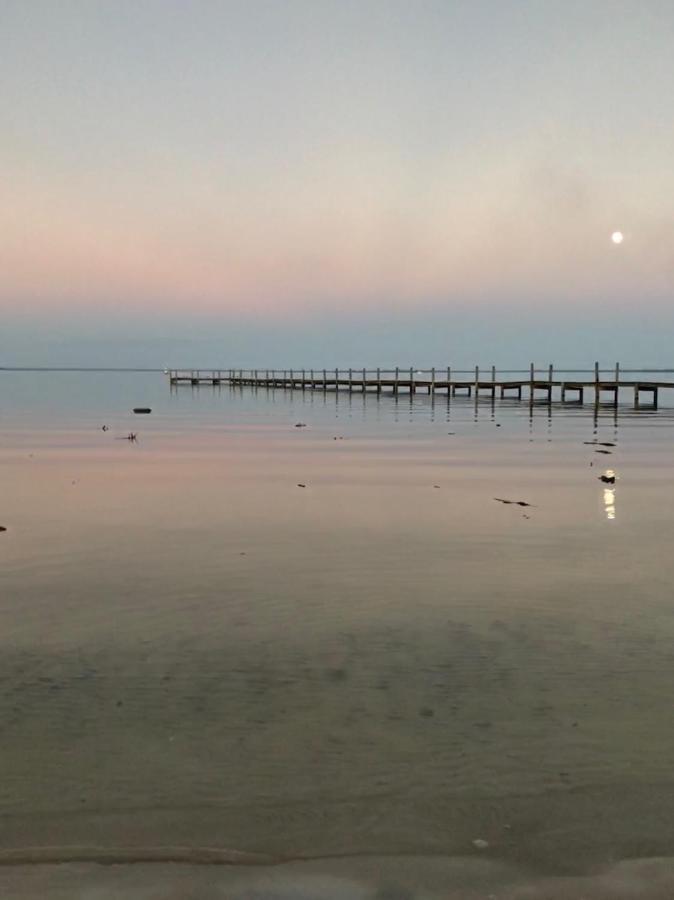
[547, 386]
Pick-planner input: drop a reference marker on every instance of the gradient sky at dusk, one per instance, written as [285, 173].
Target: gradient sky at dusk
[321, 182]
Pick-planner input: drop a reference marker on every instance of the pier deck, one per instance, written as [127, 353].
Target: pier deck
[532, 386]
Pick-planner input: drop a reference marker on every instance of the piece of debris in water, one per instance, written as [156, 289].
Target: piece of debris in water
[607, 452]
[105, 428]
[301, 485]
[2, 528]
[600, 443]
[301, 425]
[142, 410]
[607, 479]
[513, 502]
[131, 436]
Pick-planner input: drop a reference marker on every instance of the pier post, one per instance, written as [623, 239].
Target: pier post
[431, 387]
[395, 385]
[617, 384]
[449, 380]
[350, 381]
[596, 384]
[412, 385]
[477, 382]
[292, 380]
[531, 383]
[325, 381]
[550, 380]
[336, 380]
[364, 379]
[493, 382]
[378, 380]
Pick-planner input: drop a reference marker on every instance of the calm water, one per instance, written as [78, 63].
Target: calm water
[386, 680]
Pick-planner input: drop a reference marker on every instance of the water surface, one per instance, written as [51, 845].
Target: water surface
[384, 664]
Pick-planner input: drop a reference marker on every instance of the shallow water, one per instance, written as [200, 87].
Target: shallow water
[198, 653]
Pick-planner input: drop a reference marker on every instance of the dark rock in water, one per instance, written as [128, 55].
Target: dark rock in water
[513, 502]
[607, 452]
[2, 528]
[144, 410]
[607, 479]
[301, 425]
[301, 485]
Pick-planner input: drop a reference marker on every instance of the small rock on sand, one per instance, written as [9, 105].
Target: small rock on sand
[480, 844]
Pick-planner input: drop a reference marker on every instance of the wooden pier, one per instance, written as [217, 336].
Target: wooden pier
[533, 384]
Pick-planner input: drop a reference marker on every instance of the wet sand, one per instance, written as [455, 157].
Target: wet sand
[374, 878]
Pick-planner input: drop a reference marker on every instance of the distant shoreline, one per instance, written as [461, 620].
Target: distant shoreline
[76, 369]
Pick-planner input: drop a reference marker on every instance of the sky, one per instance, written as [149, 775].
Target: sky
[336, 182]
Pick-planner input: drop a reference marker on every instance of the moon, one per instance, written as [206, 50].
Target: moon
[617, 237]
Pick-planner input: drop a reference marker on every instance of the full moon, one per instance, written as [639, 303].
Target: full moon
[617, 237]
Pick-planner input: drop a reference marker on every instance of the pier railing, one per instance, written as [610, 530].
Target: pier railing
[535, 382]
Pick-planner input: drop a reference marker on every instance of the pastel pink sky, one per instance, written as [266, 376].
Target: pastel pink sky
[237, 160]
